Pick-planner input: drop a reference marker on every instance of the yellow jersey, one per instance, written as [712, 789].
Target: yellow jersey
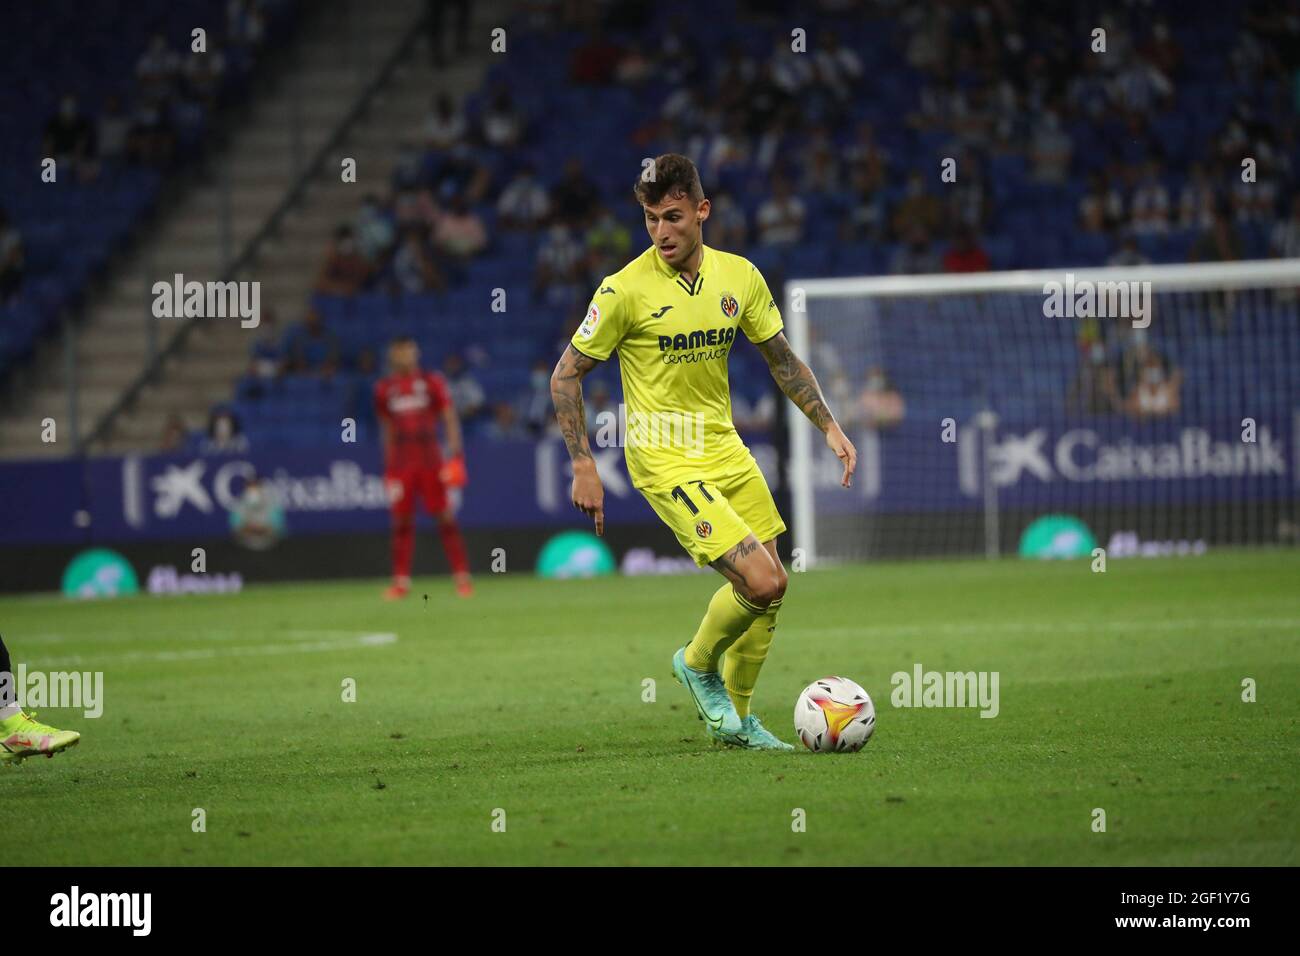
[673, 338]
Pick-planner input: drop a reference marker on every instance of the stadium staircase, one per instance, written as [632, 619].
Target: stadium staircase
[337, 56]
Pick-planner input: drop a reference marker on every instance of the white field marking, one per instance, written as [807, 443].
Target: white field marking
[1082, 627]
[199, 636]
[208, 653]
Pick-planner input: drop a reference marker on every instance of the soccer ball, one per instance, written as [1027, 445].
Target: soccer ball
[834, 714]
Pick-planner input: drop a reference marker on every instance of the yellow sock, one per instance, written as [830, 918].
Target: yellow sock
[744, 659]
[728, 617]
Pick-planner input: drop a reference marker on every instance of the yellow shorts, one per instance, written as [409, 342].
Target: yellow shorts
[713, 513]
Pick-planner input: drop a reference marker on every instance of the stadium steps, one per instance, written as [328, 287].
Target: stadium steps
[290, 260]
[330, 61]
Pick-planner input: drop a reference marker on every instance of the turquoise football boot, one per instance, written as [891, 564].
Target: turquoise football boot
[753, 736]
[711, 699]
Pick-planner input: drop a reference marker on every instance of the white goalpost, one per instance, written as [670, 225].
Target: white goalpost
[1144, 410]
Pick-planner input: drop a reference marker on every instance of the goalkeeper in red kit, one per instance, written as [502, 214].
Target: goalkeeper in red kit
[409, 404]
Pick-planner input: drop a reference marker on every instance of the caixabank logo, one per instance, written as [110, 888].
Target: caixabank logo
[1086, 455]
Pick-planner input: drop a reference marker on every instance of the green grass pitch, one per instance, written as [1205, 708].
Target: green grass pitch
[1120, 691]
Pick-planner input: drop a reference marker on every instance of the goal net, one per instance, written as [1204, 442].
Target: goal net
[1143, 410]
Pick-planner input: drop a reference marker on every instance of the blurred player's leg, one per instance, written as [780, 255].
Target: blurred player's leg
[453, 543]
[20, 735]
[402, 495]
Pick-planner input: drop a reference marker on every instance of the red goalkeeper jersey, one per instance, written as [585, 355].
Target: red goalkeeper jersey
[412, 405]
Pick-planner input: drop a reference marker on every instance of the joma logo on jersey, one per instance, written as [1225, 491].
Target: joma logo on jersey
[698, 339]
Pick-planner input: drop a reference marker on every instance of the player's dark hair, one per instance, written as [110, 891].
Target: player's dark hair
[674, 176]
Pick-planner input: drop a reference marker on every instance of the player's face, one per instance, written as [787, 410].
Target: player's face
[404, 357]
[674, 228]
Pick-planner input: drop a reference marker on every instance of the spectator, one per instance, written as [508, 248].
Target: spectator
[246, 23]
[445, 125]
[374, 231]
[837, 68]
[224, 437]
[594, 61]
[174, 436]
[780, 218]
[916, 256]
[1150, 204]
[866, 158]
[559, 273]
[1128, 254]
[965, 254]
[113, 130]
[70, 139]
[204, 75]
[1094, 390]
[523, 203]
[157, 70]
[1219, 243]
[917, 208]
[727, 227]
[880, 404]
[1158, 391]
[502, 126]
[441, 39]
[865, 218]
[12, 258]
[413, 207]
[312, 349]
[575, 195]
[1285, 240]
[414, 270]
[539, 407]
[607, 242]
[267, 355]
[1051, 150]
[153, 137]
[460, 233]
[466, 393]
[504, 425]
[1197, 201]
[346, 271]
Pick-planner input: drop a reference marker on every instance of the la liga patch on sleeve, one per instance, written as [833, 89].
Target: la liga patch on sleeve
[588, 327]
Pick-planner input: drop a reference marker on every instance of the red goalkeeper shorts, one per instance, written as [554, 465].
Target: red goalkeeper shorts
[405, 484]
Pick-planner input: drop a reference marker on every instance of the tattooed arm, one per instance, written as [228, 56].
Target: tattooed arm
[800, 386]
[566, 392]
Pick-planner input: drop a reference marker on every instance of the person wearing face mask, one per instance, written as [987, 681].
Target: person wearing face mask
[1094, 391]
[1157, 393]
[538, 409]
[224, 435]
[880, 404]
[346, 270]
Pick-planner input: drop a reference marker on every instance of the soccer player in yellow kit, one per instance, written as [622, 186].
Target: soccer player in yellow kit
[673, 314]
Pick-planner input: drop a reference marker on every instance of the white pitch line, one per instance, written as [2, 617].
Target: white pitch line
[1082, 627]
[208, 653]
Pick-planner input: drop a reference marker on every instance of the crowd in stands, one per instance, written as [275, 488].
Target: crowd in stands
[123, 99]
